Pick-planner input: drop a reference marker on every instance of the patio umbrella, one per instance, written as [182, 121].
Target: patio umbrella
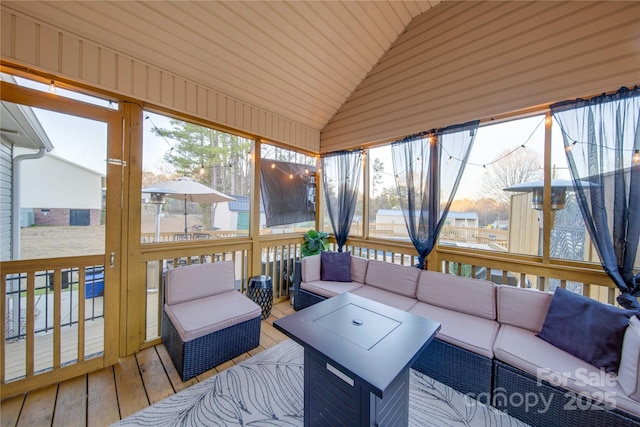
[183, 189]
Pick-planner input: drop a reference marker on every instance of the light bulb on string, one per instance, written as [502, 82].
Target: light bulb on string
[636, 157]
[52, 87]
[449, 160]
[570, 147]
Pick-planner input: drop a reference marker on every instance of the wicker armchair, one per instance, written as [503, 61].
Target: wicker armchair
[205, 321]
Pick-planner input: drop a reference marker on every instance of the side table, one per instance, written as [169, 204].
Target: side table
[261, 292]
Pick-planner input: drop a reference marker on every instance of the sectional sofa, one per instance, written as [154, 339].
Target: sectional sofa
[488, 346]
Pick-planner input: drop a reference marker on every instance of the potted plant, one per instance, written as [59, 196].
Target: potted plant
[314, 242]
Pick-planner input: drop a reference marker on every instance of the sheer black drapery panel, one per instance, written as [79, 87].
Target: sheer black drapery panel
[602, 141]
[341, 173]
[428, 168]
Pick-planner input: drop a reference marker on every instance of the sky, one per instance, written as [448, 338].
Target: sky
[83, 141]
[490, 142]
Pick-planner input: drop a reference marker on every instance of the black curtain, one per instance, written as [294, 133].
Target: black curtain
[602, 140]
[428, 168]
[341, 173]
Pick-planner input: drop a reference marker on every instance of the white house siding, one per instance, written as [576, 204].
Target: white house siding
[29, 42]
[463, 61]
[53, 186]
[5, 202]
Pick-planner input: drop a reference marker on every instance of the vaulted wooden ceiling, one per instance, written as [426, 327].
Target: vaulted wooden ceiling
[298, 59]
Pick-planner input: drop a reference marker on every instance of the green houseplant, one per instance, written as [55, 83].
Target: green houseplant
[314, 242]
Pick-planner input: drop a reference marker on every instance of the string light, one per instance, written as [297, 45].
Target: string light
[290, 176]
[525, 148]
[449, 160]
[636, 156]
[570, 147]
[52, 87]
[273, 165]
[201, 170]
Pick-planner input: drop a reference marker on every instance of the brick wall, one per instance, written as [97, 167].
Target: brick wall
[53, 216]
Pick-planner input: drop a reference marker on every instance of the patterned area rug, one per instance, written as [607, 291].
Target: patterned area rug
[267, 390]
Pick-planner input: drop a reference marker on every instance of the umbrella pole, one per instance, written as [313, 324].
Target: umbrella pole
[185, 214]
[158, 206]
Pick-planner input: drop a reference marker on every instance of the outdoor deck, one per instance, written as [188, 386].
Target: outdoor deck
[110, 394]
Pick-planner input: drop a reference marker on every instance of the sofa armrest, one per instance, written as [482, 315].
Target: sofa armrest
[311, 266]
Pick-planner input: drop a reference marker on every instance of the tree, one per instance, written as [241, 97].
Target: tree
[388, 199]
[511, 168]
[377, 167]
[214, 158]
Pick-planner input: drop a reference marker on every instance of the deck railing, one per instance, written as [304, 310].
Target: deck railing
[67, 339]
[42, 331]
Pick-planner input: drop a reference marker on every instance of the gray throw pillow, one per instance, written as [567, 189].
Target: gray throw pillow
[335, 266]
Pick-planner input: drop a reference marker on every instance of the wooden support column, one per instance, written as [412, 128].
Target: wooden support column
[254, 209]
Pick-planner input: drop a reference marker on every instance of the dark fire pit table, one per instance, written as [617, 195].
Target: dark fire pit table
[357, 355]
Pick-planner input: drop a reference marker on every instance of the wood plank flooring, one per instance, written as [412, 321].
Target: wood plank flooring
[110, 394]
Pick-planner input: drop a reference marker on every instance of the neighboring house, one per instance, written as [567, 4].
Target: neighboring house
[393, 221]
[60, 192]
[21, 133]
[462, 219]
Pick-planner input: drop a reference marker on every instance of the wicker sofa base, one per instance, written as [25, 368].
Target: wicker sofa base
[542, 404]
[194, 357]
[303, 299]
[456, 367]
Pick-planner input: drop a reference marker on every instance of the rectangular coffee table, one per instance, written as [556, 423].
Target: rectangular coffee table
[357, 355]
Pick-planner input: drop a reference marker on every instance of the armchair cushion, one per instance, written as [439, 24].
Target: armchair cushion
[198, 281]
[586, 328]
[197, 318]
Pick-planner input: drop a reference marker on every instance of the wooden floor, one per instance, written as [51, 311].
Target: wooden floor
[110, 394]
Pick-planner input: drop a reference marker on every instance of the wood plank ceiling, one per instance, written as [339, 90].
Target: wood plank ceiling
[298, 59]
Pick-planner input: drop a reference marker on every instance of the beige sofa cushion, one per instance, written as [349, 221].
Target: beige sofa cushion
[400, 279]
[329, 289]
[463, 294]
[393, 299]
[311, 268]
[521, 348]
[197, 281]
[463, 330]
[358, 269]
[629, 371]
[197, 318]
[524, 308]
